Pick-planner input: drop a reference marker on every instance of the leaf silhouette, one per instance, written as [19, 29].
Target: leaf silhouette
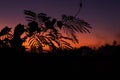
[31, 16]
[43, 17]
[76, 24]
[70, 24]
[5, 31]
[5, 36]
[66, 45]
[39, 41]
[59, 24]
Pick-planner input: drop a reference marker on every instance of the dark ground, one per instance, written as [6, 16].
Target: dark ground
[83, 59]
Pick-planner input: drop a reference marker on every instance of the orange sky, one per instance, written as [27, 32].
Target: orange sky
[95, 38]
[103, 15]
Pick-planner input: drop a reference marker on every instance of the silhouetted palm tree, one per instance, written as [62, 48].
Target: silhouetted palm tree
[44, 31]
[70, 24]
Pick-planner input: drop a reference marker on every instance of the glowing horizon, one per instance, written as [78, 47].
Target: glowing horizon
[104, 19]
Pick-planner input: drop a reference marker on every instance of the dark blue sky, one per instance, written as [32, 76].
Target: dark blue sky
[103, 15]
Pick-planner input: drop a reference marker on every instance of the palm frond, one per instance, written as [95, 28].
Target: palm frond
[30, 15]
[71, 25]
[70, 32]
[76, 24]
[35, 44]
[39, 41]
[66, 45]
[43, 17]
[67, 38]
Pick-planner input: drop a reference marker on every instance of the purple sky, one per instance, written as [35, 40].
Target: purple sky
[103, 15]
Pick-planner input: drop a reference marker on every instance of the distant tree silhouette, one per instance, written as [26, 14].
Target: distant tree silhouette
[86, 51]
[114, 43]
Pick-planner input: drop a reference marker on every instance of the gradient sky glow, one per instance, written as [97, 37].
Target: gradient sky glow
[103, 15]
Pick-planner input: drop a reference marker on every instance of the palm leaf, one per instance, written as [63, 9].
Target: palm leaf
[30, 15]
[71, 25]
[43, 17]
[71, 22]
[66, 45]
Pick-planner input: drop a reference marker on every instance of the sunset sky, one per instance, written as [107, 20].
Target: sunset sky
[103, 15]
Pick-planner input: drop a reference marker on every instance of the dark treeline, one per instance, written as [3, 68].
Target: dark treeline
[77, 60]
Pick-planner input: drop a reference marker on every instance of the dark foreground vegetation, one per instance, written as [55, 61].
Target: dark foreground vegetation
[77, 60]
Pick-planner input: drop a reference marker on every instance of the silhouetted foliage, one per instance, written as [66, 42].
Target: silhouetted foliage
[43, 31]
[44, 24]
[17, 41]
[33, 26]
[62, 57]
[5, 31]
[72, 25]
[5, 36]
